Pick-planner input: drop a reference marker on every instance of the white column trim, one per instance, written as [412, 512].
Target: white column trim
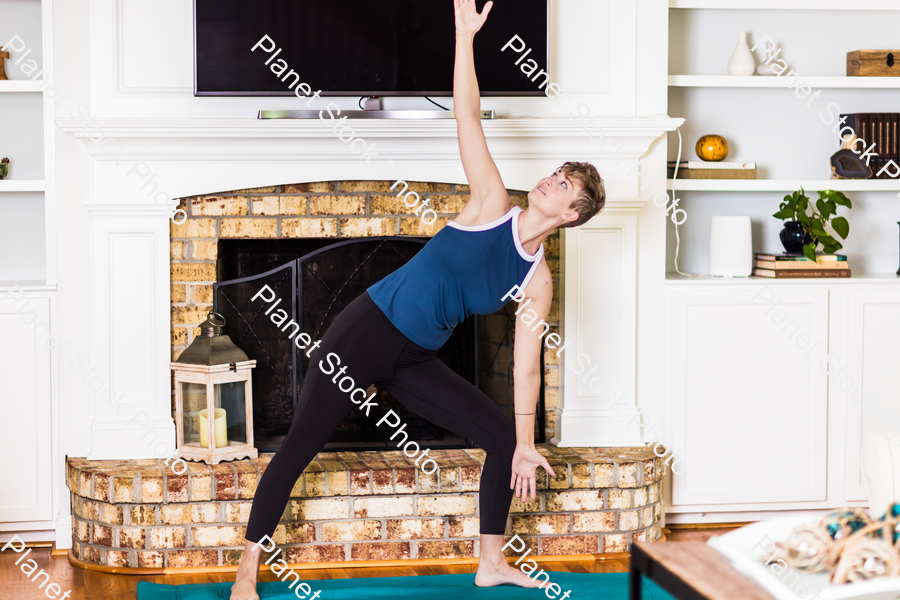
[131, 339]
[585, 415]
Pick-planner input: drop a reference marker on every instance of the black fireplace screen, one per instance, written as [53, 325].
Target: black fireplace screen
[313, 289]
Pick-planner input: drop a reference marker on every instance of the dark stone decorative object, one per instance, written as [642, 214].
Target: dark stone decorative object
[793, 238]
[846, 164]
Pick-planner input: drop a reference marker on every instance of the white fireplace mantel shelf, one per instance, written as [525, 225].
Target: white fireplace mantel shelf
[270, 128]
[185, 156]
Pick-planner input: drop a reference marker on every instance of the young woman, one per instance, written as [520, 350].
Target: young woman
[389, 335]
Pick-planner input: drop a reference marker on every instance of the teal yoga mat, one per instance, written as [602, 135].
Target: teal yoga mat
[584, 586]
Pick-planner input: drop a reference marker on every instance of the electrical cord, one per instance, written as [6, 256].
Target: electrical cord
[674, 176]
[435, 103]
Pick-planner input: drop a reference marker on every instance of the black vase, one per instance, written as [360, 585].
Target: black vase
[793, 238]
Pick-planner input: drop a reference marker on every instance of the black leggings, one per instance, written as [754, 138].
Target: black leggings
[374, 351]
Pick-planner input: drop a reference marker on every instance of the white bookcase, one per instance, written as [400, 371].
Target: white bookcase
[28, 278]
[761, 426]
[766, 123]
[27, 196]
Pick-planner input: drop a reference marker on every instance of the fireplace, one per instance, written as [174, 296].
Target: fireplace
[315, 280]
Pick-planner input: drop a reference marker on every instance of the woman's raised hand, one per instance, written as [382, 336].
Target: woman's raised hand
[468, 21]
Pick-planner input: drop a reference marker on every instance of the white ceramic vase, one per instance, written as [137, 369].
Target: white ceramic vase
[766, 69]
[742, 62]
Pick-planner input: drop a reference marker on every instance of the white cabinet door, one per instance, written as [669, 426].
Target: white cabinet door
[864, 365]
[748, 400]
[25, 434]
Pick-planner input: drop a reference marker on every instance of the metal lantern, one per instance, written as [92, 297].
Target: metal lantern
[213, 397]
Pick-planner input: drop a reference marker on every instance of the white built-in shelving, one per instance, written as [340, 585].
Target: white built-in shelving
[21, 185]
[789, 132]
[757, 81]
[28, 195]
[758, 342]
[867, 278]
[784, 185]
[787, 4]
[19, 86]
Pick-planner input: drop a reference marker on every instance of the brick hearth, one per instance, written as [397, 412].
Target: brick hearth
[351, 506]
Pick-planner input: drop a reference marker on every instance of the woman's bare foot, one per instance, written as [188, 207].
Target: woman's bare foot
[493, 568]
[244, 587]
[490, 573]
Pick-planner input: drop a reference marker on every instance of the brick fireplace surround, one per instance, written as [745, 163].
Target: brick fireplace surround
[348, 506]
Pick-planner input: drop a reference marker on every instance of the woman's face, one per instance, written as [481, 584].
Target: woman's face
[554, 195]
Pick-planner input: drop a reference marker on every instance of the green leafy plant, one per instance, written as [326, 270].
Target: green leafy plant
[794, 208]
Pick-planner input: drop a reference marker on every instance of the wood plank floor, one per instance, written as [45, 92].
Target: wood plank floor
[91, 585]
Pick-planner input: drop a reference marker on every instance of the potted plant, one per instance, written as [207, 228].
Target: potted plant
[4, 167]
[805, 231]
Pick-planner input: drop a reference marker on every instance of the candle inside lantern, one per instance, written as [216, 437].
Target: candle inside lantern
[221, 428]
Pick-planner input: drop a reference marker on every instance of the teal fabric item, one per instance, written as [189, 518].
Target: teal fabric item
[583, 586]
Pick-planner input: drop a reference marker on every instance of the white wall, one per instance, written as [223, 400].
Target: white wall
[21, 18]
[71, 73]
[22, 237]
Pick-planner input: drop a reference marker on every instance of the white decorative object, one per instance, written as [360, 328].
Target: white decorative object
[210, 375]
[730, 246]
[742, 62]
[880, 463]
[750, 548]
[766, 67]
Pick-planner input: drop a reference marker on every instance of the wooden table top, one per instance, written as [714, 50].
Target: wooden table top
[704, 569]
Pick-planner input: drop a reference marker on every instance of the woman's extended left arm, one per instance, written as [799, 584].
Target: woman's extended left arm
[527, 381]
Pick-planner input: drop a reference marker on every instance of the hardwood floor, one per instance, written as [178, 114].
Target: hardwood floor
[91, 585]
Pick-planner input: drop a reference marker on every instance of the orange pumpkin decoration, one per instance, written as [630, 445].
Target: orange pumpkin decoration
[712, 148]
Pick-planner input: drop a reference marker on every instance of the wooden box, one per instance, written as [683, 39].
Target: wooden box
[873, 63]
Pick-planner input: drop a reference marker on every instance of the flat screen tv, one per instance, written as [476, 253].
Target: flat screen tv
[363, 47]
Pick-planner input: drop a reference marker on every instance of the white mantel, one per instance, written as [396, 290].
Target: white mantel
[187, 155]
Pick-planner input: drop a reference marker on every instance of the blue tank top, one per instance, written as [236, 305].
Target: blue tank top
[461, 271]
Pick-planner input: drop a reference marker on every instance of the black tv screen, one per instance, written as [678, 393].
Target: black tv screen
[363, 47]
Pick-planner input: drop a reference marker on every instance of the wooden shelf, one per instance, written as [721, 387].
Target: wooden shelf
[784, 185]
[21, 85]
[22, 185]
[760, 81]
[787, 4]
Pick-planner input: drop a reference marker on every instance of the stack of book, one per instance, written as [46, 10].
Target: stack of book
[795, 266]
[698, 169]
[880, 129]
